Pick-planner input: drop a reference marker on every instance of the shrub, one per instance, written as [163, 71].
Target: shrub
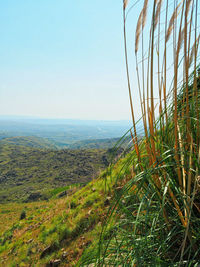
[23, 215]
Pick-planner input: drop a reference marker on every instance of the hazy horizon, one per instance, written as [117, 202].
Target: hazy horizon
[24, 117]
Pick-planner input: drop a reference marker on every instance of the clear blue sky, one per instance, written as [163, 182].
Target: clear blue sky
[63, 59]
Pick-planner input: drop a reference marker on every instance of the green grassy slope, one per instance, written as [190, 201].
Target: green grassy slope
[56, 231]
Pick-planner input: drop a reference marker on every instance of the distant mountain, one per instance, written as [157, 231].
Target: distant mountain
[64, 133]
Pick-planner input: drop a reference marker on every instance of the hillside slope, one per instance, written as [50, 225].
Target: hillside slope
[28, 173]
[58, 231]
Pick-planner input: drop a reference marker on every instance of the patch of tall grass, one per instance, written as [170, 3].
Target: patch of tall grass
[157, 210]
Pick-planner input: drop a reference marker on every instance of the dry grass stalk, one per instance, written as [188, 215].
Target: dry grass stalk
[186, 63]
[183, 172]
[176, 61]
[190, 167]
[171, 22]
[195, 81]
[190, 27]
[129, 88]
[188, 3]
[139, 28]
[158, 9]
[158, 57]
[152, 115]
[143, 104]
[165, 66]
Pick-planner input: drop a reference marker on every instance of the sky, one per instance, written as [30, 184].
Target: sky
[63, 59]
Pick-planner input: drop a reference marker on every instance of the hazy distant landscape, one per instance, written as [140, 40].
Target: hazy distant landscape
[38, 155]
[60, 133]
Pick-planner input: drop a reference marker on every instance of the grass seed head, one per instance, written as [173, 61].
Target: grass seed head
[125, 3]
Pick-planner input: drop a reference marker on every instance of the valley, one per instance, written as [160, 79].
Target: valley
[60, 133]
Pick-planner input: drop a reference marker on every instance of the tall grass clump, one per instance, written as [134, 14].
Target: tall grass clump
[157, 210]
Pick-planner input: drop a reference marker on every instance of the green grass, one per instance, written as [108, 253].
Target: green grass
[51, 228]
[55, 192]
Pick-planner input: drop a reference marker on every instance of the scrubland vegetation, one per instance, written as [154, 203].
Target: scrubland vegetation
[29, 173]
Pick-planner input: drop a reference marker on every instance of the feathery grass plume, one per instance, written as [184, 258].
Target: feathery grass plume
[158, 9]
[180, 41]
[125, 3]
[138, 31]
[171, 22]
[140, 24]
[144, 18]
